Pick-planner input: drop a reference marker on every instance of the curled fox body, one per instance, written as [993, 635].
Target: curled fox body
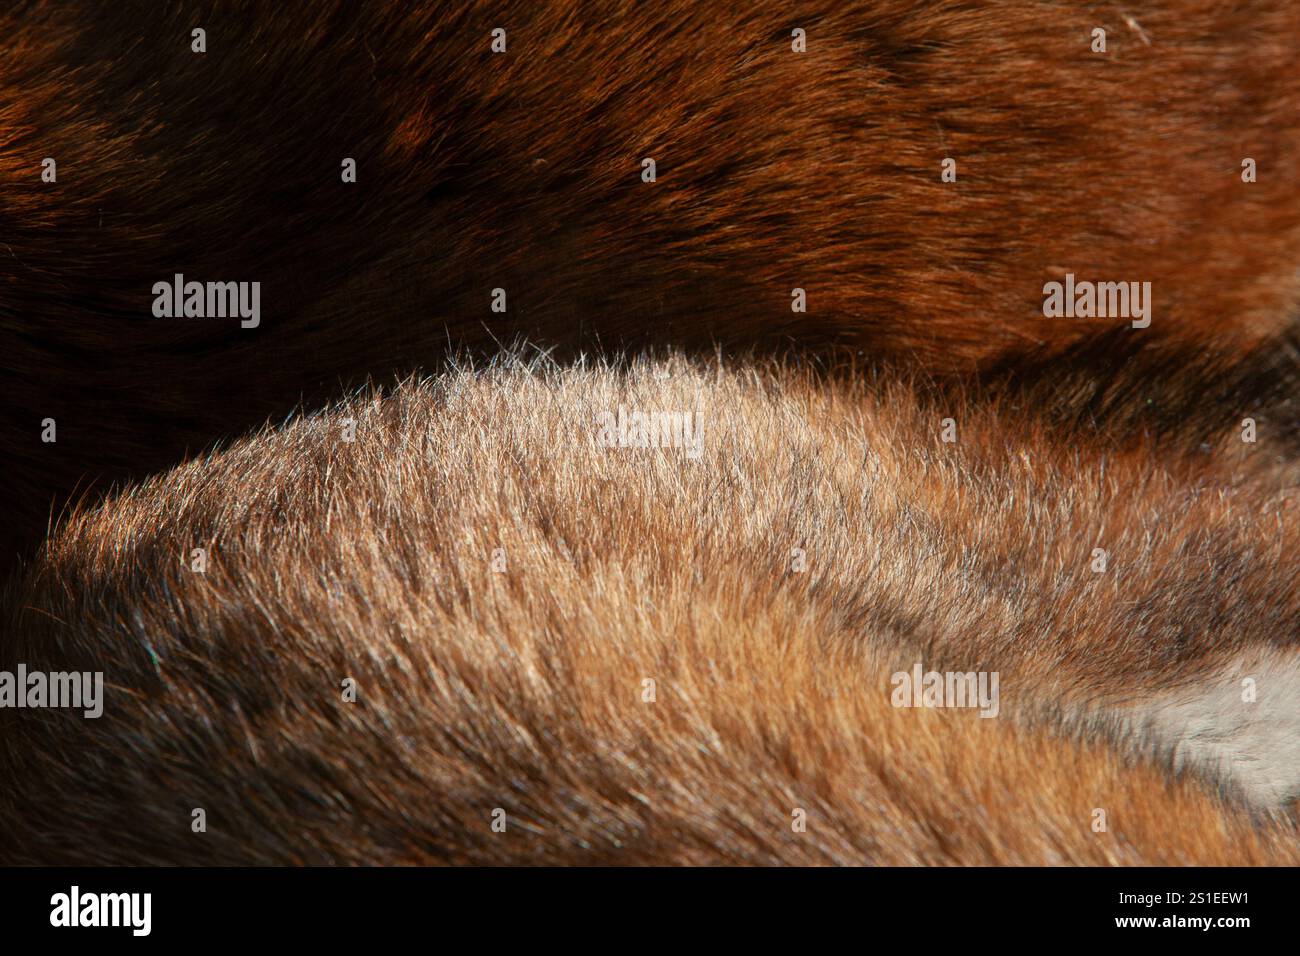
[560, 648]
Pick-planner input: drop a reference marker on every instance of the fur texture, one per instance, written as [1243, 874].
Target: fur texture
[520, 687]
[521, 171]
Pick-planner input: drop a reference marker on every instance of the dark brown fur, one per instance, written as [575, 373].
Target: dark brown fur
[521, 170]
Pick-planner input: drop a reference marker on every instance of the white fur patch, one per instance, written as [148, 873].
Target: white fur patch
[1255, 744]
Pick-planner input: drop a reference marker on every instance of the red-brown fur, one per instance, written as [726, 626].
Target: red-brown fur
[522, 171]
[776, 170]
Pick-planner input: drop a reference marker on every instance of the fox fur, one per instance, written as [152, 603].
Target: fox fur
[500, 584]
[522, 171]
[441, 618]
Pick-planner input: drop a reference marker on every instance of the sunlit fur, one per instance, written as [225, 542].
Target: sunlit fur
[523, 690]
